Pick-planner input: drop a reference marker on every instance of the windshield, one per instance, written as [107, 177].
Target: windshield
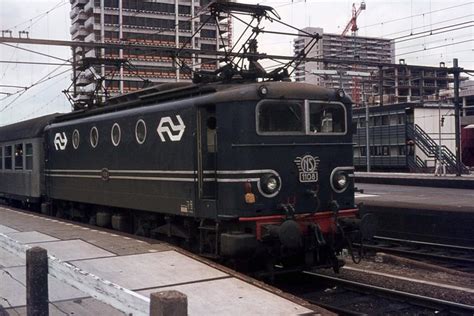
[326, 118]
[281, 117]
[300, 118]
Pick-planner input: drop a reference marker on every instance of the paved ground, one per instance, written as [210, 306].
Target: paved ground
[131, 263]
[443, 199]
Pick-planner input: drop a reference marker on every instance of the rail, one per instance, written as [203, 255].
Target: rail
[450, 256]
[409, 299]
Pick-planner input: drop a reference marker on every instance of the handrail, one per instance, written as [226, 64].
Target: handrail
[432, 149]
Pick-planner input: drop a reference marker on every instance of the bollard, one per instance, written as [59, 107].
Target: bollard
[37, 282]
[168, 303]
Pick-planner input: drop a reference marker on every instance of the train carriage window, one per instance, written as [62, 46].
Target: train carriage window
[140, 131]
[327, 118]
[1, 158]
[19, 157]
[76, 139]
[116, 134]
[94, 137]
[277, 117]
[29, 156]
[8, 158]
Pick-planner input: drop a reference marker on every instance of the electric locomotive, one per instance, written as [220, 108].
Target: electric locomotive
[259, 171]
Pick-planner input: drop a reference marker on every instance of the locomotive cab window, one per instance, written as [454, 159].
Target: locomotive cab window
[301, 118]
[280, 117]
[327, 118]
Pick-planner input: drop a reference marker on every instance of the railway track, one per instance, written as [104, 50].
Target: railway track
[354, 298]
[449, 256]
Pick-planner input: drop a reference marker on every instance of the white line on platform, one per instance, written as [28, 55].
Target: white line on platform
[446, 286]
[123, 299]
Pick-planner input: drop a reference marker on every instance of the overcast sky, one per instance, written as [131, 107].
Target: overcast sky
[388, 19]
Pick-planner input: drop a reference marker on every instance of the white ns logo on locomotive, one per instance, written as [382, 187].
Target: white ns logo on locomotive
[174, 131]
[308, 168]
[60, 141]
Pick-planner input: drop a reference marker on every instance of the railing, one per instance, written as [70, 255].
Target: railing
[416, 164]
[433, 150]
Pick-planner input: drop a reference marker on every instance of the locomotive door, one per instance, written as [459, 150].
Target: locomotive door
[207, 156]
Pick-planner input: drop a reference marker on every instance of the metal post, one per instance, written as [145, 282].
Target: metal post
[341, 85]
[367, 138]
[176, 14]
[456, 71]
[168, 303]
[439, 132]
[381, 85]
[74, 72]
[102, 50]
[120, 39]
[37, 282]
[193, 40]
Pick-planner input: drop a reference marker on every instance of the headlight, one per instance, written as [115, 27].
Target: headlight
[270, 185]
[339, 181]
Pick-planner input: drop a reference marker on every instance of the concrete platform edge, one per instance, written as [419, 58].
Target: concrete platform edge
[105, 291]
[436, 182]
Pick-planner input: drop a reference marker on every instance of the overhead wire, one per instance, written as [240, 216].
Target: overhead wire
[409, 37]
[40, 16]
[421, 27]
[416, 15]
[35, 52]
[440, 46]
[437, 41]
[19, 93]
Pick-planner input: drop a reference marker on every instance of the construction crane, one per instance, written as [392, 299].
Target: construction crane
[353, 22]
[352, 25]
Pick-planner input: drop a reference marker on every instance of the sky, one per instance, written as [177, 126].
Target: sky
[49, 19]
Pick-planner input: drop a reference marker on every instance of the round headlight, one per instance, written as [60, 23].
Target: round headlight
[340, 181]
[272, 184]
[269, 185]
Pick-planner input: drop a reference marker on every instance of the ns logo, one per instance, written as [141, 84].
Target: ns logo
[60, 141]
[168, 127]
[308, 168]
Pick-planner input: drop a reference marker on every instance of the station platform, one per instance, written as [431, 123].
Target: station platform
[416, 179]
[429, 214]
[96, 272]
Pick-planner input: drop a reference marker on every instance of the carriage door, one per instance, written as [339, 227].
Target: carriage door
[207, 155]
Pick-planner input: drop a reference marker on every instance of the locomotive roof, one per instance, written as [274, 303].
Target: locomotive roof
[26, 129]
[208, 93]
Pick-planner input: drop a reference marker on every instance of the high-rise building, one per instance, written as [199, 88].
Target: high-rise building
[166, 23]
[335, 46]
